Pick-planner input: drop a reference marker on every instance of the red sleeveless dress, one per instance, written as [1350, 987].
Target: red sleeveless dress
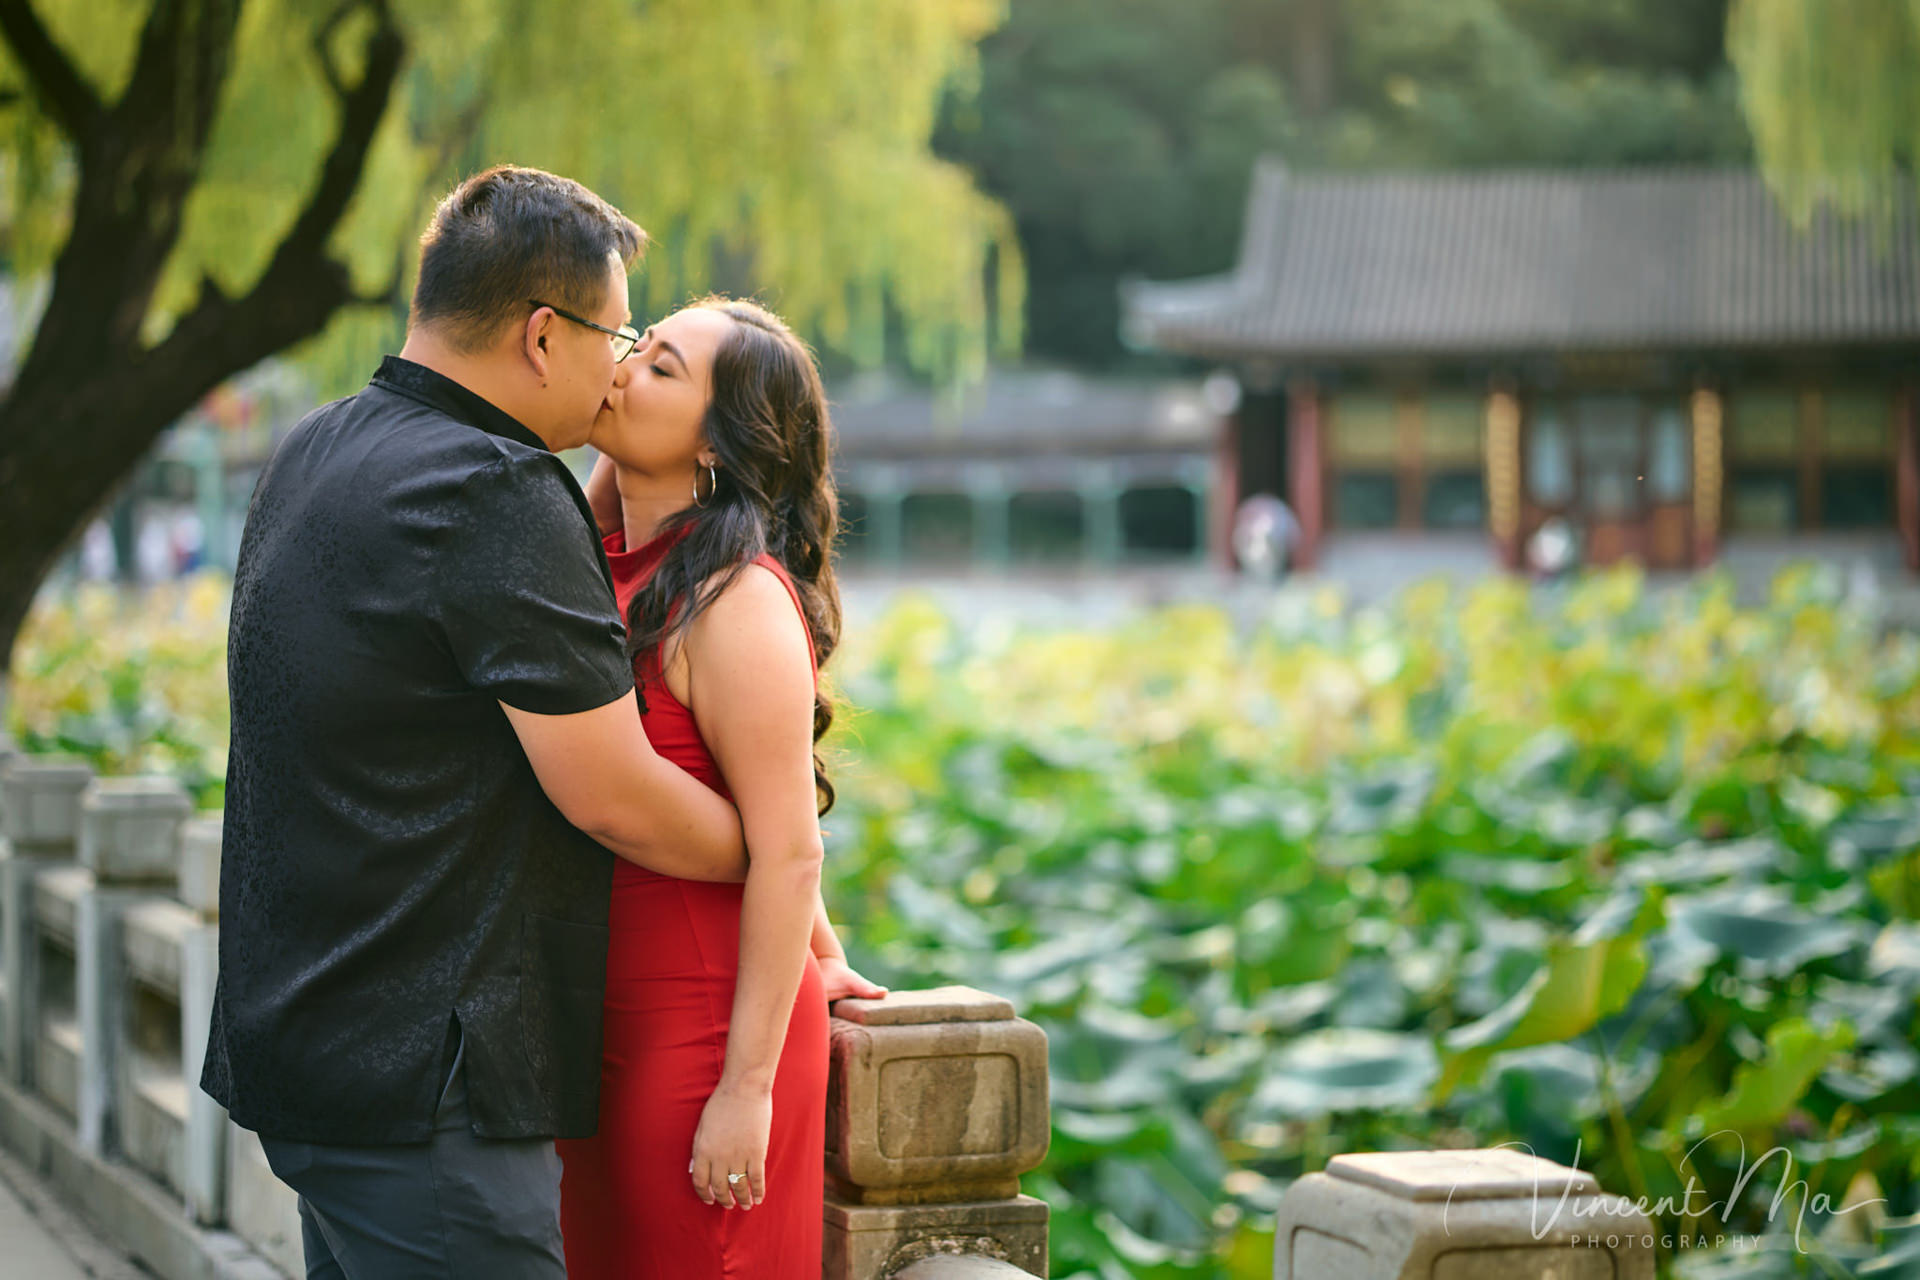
[627, 1206]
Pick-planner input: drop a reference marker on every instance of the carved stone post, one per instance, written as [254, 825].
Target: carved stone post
[936, 1104]
[40, 804]
[130, 843]
[1457, 1215]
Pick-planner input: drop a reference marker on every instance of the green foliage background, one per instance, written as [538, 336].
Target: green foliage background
[778, 146]
[1832, 93]
[1630, 877]
[1120, 134]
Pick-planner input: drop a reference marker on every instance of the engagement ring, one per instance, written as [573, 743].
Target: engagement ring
[734, 1177]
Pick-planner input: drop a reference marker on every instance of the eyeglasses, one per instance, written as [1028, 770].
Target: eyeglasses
[624, 338]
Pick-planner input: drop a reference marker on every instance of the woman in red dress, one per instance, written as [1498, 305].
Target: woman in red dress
[716, 500]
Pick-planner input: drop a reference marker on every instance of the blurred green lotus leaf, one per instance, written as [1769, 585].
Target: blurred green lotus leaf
[1514, 875]
[1896, 953]
[1587, 977]
[1565, 1079]
[1346, 1069]
[1882, 830]
[1131, 1080]
[1291, 1007]
[938, 912]
[1874, 1073]
[1699, 862]
[1763, 1092]
[1874, 1010]
[1763, 930]
[1074, 945]
[1371, 995]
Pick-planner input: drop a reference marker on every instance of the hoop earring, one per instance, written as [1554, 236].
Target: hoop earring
[713, 485]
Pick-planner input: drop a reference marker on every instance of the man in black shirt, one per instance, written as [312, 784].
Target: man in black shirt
[435, 745]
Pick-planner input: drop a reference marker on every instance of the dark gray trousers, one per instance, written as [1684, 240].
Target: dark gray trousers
[452, 1208]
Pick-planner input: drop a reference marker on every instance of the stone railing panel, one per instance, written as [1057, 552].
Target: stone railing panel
[152, 1091]
[130, 843]
[57, 1040]
[151, 934]
[57, 892]
[1457, 1215]
[936, 1104]
[39, 820]
[207, 1123]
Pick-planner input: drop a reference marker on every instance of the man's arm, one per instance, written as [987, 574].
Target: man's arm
[604, 776]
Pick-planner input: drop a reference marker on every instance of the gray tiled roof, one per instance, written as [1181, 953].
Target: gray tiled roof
[1022, 411]
[1353, 266]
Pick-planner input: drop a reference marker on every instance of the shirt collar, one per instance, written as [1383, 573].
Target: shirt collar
[437, 391]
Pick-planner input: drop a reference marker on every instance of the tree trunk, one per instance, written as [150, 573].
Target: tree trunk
[69, 438]
[90, 398]
[1311, 56]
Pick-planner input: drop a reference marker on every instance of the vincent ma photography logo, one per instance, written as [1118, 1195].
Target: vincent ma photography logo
[1695, 1219]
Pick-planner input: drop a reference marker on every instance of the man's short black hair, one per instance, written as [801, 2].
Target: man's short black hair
[507, 236]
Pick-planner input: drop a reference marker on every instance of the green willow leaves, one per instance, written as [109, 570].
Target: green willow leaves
[770, 146]
[1832, 96]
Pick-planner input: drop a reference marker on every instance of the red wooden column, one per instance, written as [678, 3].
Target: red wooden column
[1906, 475]
[1305, 466]
[1708, 450]
[1501, 449]
[1226, 483]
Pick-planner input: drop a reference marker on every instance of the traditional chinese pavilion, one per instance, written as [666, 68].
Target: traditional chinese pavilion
[1658, 356]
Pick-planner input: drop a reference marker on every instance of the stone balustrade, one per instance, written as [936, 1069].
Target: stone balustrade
[937, 1100]
[109, 929]
[108, 947]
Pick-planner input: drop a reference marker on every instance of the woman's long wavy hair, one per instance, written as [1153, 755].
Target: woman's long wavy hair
[768, 424]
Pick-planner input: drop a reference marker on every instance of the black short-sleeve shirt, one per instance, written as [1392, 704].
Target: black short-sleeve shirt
[413, 557]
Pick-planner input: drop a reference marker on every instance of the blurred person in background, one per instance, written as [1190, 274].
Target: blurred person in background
[715, 496]
[1264, 533]
[1553, 552]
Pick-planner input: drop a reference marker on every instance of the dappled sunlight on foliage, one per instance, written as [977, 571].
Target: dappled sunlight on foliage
[135, 683]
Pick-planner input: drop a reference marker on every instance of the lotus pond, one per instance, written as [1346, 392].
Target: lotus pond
[1630, 878]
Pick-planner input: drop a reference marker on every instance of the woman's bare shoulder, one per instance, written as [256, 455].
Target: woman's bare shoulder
[756, 600]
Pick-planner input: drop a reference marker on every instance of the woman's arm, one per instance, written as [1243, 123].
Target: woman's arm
[825, 942]
[837, 977]
[751, 690]
[603, 495]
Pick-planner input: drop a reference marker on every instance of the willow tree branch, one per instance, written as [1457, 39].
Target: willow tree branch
[362, 107]
[58, 84]
[303, 285]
